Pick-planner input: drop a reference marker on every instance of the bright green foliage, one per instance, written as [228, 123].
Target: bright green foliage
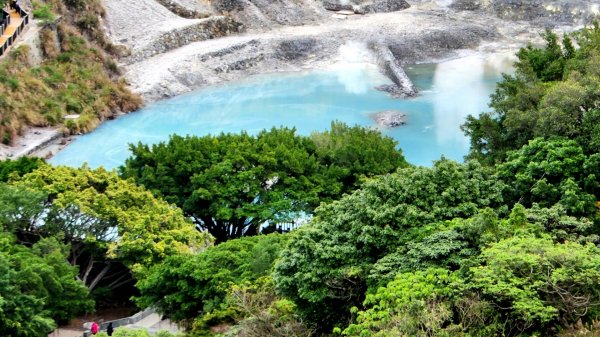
[352, 153]
[231, 184]
[454, 244]
[185, 287]
[98, 205]
[550, 172]
[125, 332]
[325, 267]
[414, 304]
[19, 207]
[37, 287]
[554, 92]
[536, 281]
[19, 167]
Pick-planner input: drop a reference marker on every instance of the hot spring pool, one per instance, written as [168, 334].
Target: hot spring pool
[309, 101]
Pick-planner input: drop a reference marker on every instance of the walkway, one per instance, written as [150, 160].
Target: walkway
[14, 28]
[15, 22]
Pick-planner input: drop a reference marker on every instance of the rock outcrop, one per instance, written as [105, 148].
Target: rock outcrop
[390, 66]
[296, 49]
[205, 29]
[389, 118]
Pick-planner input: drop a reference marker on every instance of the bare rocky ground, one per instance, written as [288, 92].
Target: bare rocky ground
[290, 35]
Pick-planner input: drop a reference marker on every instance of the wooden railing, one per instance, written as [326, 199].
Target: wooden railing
[6, 22]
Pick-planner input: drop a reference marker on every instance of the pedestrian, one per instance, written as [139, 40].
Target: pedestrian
[94, 328]
[110, 329]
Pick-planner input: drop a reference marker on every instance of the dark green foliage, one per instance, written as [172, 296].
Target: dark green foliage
[352, 153]
[231, 184]
[185, 288]
[19, 167]
[37, 288]
[325, 267]
[554, 92]
[550, 172]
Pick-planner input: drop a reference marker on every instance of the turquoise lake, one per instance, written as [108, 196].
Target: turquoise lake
[309, 101]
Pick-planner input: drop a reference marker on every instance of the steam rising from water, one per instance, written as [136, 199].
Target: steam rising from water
[355, 67]
[459, 92]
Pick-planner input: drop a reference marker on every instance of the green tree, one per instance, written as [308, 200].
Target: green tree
[353, 153]
[37, 287]
[231, 184]
[185, 288]
[538, 283]
[103, 218]
[325, 267]
[18, 167]
[552, 171]
[554, 92]
[413, 304]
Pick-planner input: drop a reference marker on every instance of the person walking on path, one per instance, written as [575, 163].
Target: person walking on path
[110, 329]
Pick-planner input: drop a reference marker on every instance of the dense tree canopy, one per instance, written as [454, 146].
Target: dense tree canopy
[185, 288]
[325, 267]
[231, 184]
[551, 172]
[18, 167]
[37, 288]
[108, 223]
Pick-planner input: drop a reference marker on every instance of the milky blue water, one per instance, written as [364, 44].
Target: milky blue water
[308, 101]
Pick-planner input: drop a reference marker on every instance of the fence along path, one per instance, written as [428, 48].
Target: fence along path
[13, 23]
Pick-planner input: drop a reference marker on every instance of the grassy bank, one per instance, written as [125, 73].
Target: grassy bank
[78, 75]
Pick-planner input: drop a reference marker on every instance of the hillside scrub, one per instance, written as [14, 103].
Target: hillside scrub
[77, 77]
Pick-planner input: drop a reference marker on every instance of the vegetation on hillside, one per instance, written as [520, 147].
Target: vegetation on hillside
[502, 245]
[77, 76]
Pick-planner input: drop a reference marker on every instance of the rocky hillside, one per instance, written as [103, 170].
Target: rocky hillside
[179, 45]
[544, 12]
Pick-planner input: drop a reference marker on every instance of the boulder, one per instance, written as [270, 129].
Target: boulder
[389, 118]
[228, 5]
[296, 49]
[385, 6]
[363, 7]
[337, 5]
